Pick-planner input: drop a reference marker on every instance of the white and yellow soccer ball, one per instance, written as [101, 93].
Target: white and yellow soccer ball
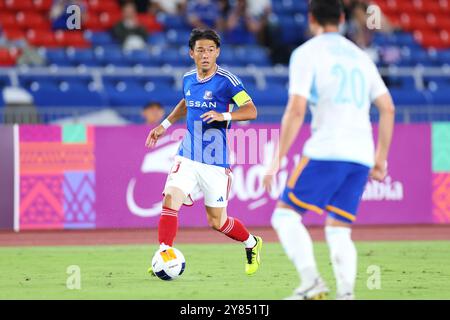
[168, 263]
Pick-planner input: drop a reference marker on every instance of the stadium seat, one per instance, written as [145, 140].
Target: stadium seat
[42, 5]
[441, 96]
[172, 22]
[176, 57]
[150, 23]
[42, 38]
[4, 81]
[84, 57]
[409, 97]
[112, 57]
[177, 37]
[54, 97]
[7, 20]
[109, 19]
[71, 39]
[57, 57]
[18, 5]
[99, 38]
[104, 6]
[273, 95]
[142, 57]
[14, 34]
[8, 57]
[32, 20]
[93, 23]
[252, 55]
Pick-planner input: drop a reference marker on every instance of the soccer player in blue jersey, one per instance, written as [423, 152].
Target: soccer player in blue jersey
[340, 82]
[210, 93]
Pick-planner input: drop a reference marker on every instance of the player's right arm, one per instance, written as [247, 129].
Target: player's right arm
[385, 130]
[381, 98]
[177, 113]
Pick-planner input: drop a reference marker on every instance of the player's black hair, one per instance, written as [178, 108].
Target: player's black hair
[152, 104]
[200, 34]
[326, 11]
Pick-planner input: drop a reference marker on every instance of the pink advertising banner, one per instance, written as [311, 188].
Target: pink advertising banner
[130, 179]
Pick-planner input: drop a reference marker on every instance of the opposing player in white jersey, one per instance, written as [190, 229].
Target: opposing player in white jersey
[340, 82]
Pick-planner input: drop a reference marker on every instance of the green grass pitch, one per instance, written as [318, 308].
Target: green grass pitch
[409, 270]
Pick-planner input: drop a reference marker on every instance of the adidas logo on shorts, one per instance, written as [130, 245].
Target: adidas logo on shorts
[220, 199]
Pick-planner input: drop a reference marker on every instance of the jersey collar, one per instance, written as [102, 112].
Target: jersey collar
[208, 78]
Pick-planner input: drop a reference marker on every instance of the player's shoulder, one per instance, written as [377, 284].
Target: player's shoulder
[228, 76]
[307, 50]
[190, 74]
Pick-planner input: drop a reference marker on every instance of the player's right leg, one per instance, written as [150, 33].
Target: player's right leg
[181, 181]
[308, 188]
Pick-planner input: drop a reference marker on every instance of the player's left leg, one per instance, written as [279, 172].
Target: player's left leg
[235, 229]
[215, 183]
[342, 210]
[343, 256]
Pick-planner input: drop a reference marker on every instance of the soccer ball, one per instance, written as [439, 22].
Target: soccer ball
[168, 263]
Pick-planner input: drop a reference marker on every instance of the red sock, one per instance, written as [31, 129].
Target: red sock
[168, 225]
[234, 229]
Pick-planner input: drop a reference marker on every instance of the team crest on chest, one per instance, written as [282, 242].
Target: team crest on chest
[208, 95]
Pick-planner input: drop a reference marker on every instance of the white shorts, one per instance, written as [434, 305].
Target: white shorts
[193, 176]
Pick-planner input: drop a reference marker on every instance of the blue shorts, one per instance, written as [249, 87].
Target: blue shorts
[333, 186]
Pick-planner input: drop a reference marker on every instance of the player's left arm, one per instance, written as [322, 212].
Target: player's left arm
[246, 111]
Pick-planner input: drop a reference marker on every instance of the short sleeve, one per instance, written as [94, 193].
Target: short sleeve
[377, 85]
[301, 73]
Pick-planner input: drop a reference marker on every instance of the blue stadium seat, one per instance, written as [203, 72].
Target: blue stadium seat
[100, 38]
[4, 81]
[273, 95]
[157, 39]
[178, 37]
[277, 79]
[173, 21]
[142, 57]
[176, 57]
[292, 28]
[84, 57]
[404, 97]
[441, 96]
[405, 82]
[227, 56]
[443, 56]
[57, 57]
[54, 97]
[112, 56]
[254, 55]
[404, 39]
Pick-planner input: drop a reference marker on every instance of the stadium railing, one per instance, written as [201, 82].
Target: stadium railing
[405, 114]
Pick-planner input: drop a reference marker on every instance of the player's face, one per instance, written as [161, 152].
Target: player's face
[205, 54]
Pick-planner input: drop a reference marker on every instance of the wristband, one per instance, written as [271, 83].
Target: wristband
[166, 124]
[227, 116]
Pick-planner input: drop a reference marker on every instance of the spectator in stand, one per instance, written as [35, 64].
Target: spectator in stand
[171, 7]
[203, 14]
[240, 26]
[59, 15]
[128, 31]
[224, 7]
[356, 28]
[142, 6]
[153, 113]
